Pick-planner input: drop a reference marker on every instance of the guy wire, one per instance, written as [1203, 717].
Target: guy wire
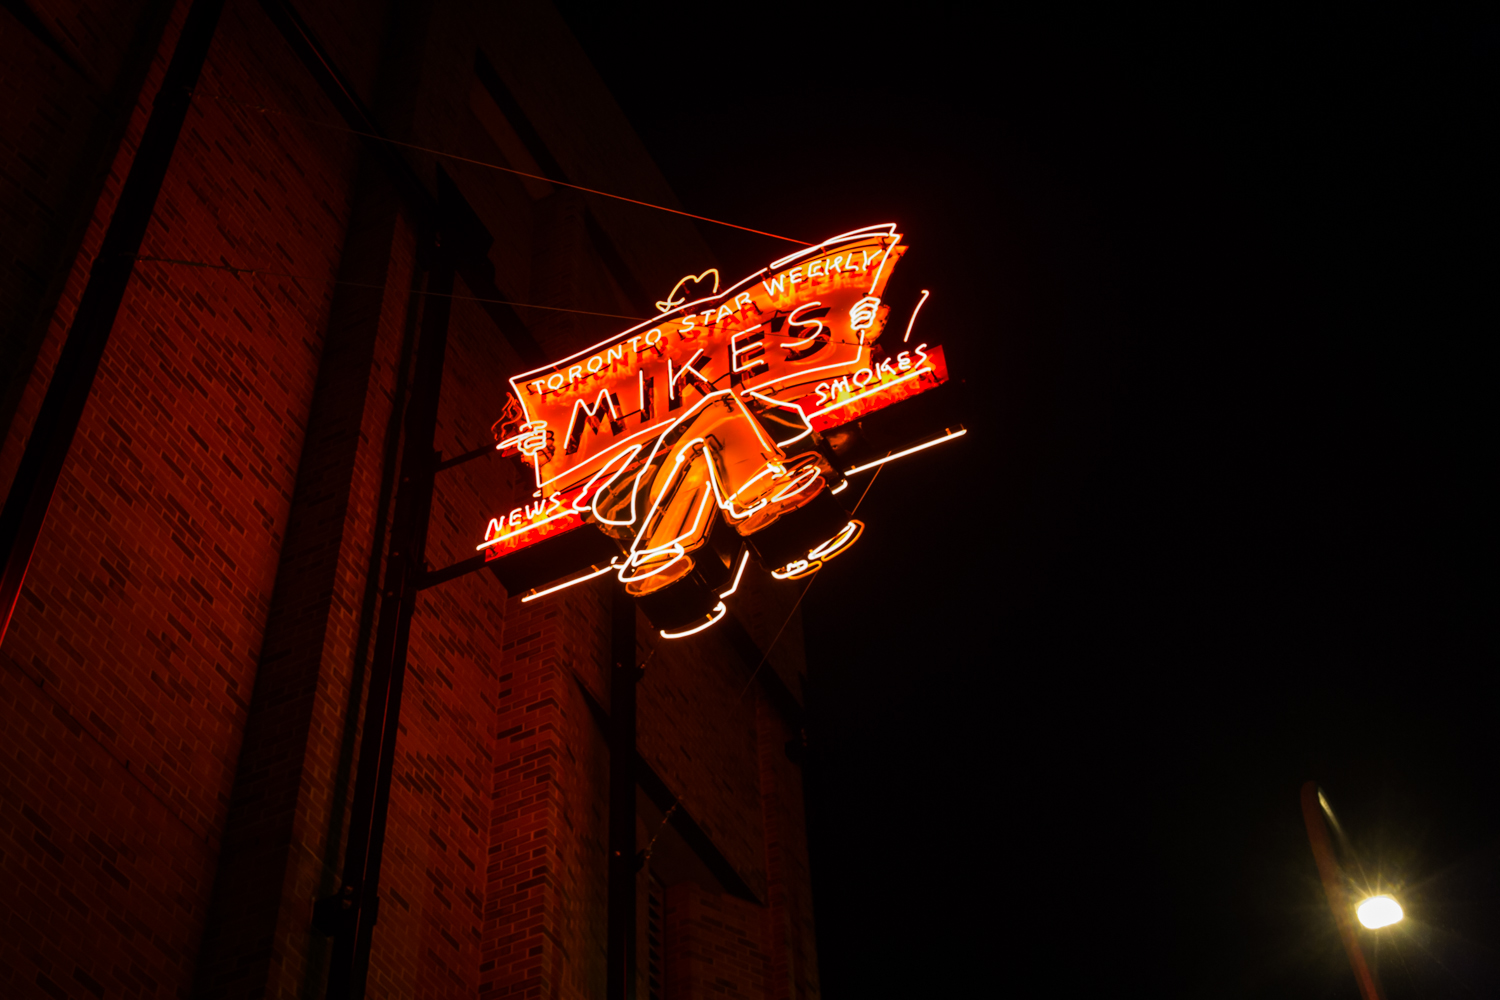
[358, 284]
[495, 166]
[767, 654]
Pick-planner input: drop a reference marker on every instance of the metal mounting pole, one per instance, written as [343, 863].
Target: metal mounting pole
[357, 903]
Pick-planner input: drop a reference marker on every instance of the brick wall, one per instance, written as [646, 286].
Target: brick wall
[428, 937]
[696, 727]
[204, 580]
[788, 937]
[47, 109]
[713, 946]
[57, 147]
[283, 845]
[546, 872]
[139, 628]
[93, 33]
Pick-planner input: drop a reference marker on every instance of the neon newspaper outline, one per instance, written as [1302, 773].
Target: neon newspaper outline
[709, 412]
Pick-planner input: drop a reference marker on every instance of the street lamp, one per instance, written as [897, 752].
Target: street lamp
[1314, 808]
[1379, 911]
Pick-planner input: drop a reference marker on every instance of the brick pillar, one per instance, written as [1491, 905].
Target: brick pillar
[788, 916]
[546, 872]
[281, 844]
[714, 947]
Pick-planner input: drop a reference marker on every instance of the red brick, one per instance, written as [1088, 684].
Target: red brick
[205, 567]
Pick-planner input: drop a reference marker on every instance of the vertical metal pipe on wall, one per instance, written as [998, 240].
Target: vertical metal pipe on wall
[358, 896]
[62, 408]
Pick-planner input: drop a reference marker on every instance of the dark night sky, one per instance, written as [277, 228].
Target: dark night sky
[1224, 520]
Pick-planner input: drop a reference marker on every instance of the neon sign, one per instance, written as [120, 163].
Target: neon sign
[697, 438]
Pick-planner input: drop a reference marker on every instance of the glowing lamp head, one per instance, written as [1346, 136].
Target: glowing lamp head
[1379, 911]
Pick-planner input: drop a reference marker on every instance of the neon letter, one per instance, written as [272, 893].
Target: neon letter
[605, 400]
[753, 348]
[648, 392]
